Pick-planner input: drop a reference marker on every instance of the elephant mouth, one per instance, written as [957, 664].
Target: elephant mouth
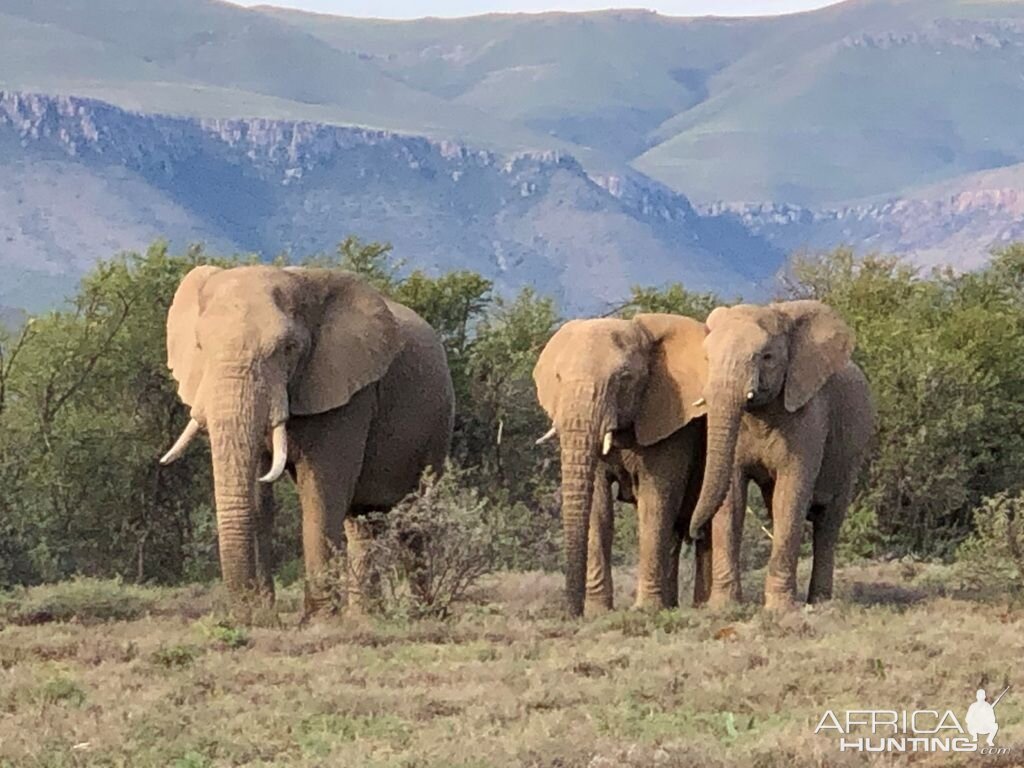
[623, 437]
[758, 399]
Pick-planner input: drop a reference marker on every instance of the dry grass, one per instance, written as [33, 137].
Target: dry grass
[508, 682]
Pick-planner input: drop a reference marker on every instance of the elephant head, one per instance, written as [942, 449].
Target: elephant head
[778, 356]
[601, 376]
[251, 347]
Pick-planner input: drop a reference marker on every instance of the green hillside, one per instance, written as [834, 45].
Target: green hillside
[862, 98]
[865, 98]
[212, 59]
[599, 79]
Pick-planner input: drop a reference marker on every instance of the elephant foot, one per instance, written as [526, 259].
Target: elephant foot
[317, 606]
[253, 606]
[779, 602]
[317, 614]
[724, 598]
[652, 603]
[597, 605]
[820, 596]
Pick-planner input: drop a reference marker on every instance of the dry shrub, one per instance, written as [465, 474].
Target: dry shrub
[430, 549]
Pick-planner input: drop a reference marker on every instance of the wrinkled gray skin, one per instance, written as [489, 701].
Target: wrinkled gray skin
[360, 385]
[638, 380]
[788, 410]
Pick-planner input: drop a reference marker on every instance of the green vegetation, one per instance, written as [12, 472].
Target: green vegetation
[86, 407]
[945, 357]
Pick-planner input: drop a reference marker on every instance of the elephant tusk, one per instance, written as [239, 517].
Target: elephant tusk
[280, 441]
[546, 436]
[186, 437]
[606, 446]
[750, 395]
[700, 403]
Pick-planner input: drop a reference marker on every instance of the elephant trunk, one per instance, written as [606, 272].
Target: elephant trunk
[581, 435]
[724, 414]
[239, 414]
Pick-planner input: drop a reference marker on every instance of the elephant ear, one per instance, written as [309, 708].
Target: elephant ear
[545, 372]
[820, 345]
[184, 357]
[677, 375]
[354, 339]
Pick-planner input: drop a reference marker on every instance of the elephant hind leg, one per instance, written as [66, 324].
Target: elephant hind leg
[671, 589]
[363, 580]
[827, 520]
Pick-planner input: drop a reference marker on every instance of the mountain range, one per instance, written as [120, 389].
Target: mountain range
[580, 153]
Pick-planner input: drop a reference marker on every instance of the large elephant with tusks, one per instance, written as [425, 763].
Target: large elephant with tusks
[313, 372]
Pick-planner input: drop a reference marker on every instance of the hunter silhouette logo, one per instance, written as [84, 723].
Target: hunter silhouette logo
[919, 730]
[981, 717]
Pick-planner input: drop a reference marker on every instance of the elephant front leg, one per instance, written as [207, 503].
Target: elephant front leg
[726, 538]
[330, 462]
[599, 549]
[789, 511]
[657, 539]
[322, 518]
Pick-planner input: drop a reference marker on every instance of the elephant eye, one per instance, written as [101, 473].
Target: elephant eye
[767, 356]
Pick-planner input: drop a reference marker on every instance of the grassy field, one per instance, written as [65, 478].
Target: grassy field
[99, 674]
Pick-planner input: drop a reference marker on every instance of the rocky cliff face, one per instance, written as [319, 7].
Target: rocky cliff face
[86, 179]
[956, 223]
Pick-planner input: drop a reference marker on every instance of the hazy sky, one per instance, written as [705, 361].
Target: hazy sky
[407, 9]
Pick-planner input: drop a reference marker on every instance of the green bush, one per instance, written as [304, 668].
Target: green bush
[993, 555]
[944, 354]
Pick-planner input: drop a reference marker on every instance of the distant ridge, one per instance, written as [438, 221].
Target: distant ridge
[804, 130]
[86, 179]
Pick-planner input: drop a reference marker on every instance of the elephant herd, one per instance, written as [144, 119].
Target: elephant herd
[315, 373]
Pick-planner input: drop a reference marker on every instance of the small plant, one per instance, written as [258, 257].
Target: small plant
[192, 760]
[432, 548]
[993, 556]
[321, 734]
[62, 690]
[175, 656]
[225, 634]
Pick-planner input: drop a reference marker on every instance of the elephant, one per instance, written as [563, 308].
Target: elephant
[621, 396]
[315, 372]
[789, 410]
